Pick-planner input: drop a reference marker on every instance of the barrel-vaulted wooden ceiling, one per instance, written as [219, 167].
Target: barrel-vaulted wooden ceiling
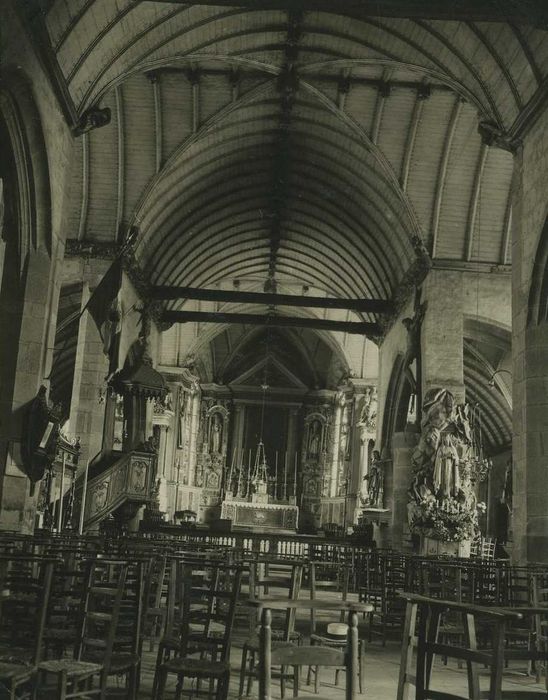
[307, 150]
[309, 147]
[313, 145]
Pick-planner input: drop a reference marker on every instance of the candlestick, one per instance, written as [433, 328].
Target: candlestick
[229, 488]
[240, 467]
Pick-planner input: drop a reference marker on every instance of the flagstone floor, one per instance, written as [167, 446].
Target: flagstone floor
[381, 677]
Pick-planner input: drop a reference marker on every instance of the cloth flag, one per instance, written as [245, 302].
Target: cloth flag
[105, 307]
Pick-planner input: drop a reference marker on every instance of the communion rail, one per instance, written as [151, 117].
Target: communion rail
[284, 545]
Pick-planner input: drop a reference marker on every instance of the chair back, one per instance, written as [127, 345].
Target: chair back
[64, 611]
[25, 588]
[281, 577]
[328, 580]
[305, 655]
[208, 611]
[104, 593]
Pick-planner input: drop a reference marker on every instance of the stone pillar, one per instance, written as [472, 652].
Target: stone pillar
[292, 450]
[87, 410]
[194, 427]
[26, 311]
[238, 432]
[340, 401]
[442, 333]
[529, 521]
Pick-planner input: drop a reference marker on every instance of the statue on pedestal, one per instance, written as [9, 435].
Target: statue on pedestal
[442, 503]
[375, 479]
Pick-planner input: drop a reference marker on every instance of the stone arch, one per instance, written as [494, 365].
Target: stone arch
[24, 127]
[401, 386]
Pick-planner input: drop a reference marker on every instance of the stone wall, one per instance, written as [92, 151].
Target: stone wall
[530, 353]
[50, 146]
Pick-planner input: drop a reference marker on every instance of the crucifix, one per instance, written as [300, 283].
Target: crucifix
[413, 352]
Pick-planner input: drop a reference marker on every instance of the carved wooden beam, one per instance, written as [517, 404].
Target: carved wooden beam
[380, 306]
[369, 329]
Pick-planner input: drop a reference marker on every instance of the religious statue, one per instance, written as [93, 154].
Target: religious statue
[215, 434]
[375, 479]
[368, 414]
[436, 458]
[413, 325]
[345, 441]
[314, 437]
[442, 503]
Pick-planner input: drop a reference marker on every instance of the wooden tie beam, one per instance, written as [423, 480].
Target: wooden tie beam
[379, 306]
[361, 328]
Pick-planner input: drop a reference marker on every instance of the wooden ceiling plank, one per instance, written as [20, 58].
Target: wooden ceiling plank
[500, 63]
[84, 206]
[507, 231]
[436, 209]
[411, 138]
[528, 53]
[158, 126]
[194, 77]
[474, 203]
[452, 48]
[360, 328]
[121, 157]
[228, 296]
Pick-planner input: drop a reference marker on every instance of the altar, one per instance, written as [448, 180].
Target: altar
[261, 517]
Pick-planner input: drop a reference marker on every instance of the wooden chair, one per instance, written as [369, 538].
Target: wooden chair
[325, 578]
[206, 635]
[421, 633]
[109, 636]
[155, 597]
[183, 571]
[385, 579]
[306, 655]
[63, 621]
[25, 586]
[284, 577]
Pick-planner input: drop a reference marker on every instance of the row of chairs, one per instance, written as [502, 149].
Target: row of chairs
[87, 615]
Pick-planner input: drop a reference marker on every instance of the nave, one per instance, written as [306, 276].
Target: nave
[273, 348]
[157, 617]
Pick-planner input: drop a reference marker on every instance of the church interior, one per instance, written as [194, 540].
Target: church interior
[274, 349]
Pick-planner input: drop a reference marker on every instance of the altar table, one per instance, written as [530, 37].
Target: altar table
[262, 517]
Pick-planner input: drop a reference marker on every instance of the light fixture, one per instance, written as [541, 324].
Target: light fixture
[491, 381]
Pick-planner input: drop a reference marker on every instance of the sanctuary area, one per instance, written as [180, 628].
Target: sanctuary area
[273, 349]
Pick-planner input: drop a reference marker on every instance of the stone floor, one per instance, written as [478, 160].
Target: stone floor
[381, 677]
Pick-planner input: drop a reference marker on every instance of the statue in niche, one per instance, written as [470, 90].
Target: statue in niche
[183, 406]
[368, 415]
[215, 434]
[314, 439]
